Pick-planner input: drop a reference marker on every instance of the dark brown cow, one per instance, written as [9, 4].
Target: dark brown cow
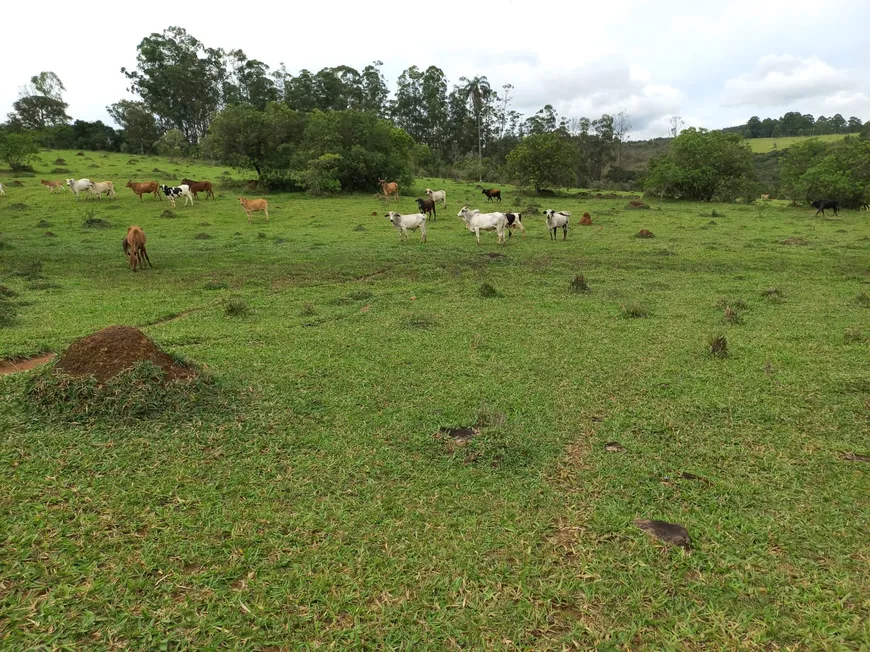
[492, 193]
[427, 206]
[199, 186]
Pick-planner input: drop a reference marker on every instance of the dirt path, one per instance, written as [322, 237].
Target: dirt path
[14, 366]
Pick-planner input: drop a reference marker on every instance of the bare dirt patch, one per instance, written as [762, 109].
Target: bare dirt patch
[643, 233]
[672, 533]
[108, 352]
[14, 366]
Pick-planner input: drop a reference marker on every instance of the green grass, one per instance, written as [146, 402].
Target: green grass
[325, 505]
[765, 145]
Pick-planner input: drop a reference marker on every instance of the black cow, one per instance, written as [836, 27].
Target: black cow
[427, 206]
[822, 204]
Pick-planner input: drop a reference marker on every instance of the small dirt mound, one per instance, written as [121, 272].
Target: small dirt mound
[49, 234]
[586, 220]
[796, 241]
[202, 236]
[60, 171]
[635, 204]
[108, 352]
[80, 153]
[643, 233]
[95, 223]
[374, 213]
[16, 182]
[168, 214]
[18, 207]
[460, 435]
[59, 161]
[94, 166]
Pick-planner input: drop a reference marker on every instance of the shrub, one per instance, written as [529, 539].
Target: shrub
[236, 307]
[487, 291]
[718, 346]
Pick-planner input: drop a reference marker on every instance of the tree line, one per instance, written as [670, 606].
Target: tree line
[794, 123]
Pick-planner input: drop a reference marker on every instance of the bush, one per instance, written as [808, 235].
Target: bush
[18, 150]
[321, 176]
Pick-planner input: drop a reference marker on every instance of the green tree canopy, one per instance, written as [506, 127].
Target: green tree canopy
[542, 161]
[40, 103]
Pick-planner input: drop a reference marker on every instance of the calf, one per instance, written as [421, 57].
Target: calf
[134, 248]
[822, 204]
[555, 220]
[514, 221]
[437, 195]
[174, 192]
[53, 185]
[253, 206]
[388, 189]
[102, 187]
[476, 222]
[78, 186]
[427, 206]
[145, 187]
[492, 193]
[405, 223]
[199, 186]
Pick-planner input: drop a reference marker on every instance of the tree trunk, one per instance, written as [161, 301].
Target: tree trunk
[479, 152]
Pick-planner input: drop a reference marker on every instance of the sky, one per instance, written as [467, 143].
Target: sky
[715, 64]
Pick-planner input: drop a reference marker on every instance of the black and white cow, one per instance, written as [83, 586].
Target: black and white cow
[174, 192]
[515, 221]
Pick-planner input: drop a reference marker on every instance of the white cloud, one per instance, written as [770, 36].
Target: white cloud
[848, 104]
[781, 79]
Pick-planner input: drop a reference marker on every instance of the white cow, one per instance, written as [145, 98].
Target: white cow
[437, 195]
[476, 221]
[555, 220]
[102, 187]
[78, 186]
[2, 190]
[405, 223]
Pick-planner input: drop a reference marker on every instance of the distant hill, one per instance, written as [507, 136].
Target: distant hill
[636, 154]
[765, 145]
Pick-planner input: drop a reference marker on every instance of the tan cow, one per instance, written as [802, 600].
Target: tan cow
[145, 187]
[765, 197]
[98, 188]
[388, 189]
[53, 185]
[253, 206]
[134, 248]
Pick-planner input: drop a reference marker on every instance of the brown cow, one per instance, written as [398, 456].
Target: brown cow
[145, 187]
[254, 205]
[199, 186]
[53, 185]
[388, 189]
[134, 248]
[492, 193]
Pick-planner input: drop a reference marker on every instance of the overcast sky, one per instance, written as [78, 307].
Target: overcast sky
[714, 64]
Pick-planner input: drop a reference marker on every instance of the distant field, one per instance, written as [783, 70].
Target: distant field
[318, 507]
[765, 145]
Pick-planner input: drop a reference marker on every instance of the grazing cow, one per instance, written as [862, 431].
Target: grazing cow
[476, 222]
[822, 204]
[102, 187]
[174, 192]
[144, 187]
[78, 186]
[865, 206]
[254, 205]
[427, 206]
[405, 223]
[492, 193]
[555, 220]
[515, 221]
[134, 248]
[437, 195]
[765, 197]
[53, 185]
[388, 189]
[199, 186]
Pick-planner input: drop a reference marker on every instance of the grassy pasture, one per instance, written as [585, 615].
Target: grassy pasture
[318, 507]
[765, 145]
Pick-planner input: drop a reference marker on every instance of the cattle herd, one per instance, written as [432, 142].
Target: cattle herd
[474, 220]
